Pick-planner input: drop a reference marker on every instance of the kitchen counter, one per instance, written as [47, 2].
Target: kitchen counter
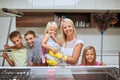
[66, 73]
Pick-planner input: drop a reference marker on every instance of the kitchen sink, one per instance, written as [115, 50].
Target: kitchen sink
[77, 73]
[93, 77]
[96, 73]
[78, 77]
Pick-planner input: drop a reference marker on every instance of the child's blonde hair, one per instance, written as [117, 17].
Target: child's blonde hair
[51, 24]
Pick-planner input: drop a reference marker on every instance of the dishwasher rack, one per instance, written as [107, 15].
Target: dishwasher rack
[14, 74]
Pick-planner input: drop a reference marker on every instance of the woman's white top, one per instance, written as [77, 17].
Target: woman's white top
[68, 49]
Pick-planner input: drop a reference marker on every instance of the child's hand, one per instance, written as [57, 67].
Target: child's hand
[6, 46]
[103, 64]
[52, 35]
[55, 50]
[31, 64]
[4, 55]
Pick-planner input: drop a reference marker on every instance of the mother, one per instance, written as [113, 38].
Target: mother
[72, 46]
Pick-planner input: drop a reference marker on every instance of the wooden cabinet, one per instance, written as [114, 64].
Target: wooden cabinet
[15, 4]
[21, 4]
[48, 4]
[34, 19]
[64, 4]
[61, 4]
[117, 4]
[5, 3]
[85, 4]
[79, 19]
[105, 4]
[40, 19]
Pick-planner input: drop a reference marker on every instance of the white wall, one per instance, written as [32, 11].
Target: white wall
[90, 36]
[111, 43]
[4, 26]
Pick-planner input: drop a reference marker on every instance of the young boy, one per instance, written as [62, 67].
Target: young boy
[18, 55]
[34, 49]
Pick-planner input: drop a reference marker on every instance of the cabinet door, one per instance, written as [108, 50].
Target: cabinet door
[43, 4]
[5, 3]
[64, 4]
[34, 19]
[85, 4]
[105, 4]
[21, 4]
[117, 4]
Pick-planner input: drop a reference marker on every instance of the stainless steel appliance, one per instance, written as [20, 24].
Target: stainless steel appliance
[60, 73]
[14, 74]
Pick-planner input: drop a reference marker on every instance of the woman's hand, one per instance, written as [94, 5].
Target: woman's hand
[58, 55]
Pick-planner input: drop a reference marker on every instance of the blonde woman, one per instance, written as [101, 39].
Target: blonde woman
[89, 57]
[72, 46]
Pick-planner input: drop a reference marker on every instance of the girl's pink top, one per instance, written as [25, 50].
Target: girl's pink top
[96, 64]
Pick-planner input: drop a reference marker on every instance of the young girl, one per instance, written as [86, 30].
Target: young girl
[51, 43]
[89, 57]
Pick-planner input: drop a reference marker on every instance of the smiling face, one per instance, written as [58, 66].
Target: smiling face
[90, 55]
[67, 29]
[30, 40]
[17, 41]
[52, 30]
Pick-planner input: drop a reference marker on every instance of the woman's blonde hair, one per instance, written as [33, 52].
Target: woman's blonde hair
[49, 25]
[84, 61]
[67, 20]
